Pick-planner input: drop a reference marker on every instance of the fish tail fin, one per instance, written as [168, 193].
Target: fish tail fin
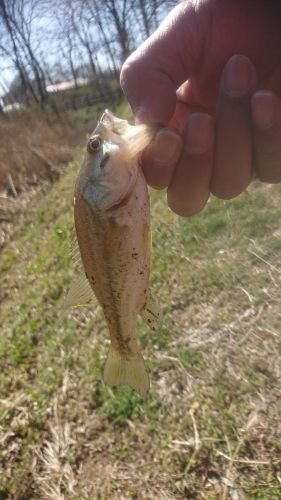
[122, 371]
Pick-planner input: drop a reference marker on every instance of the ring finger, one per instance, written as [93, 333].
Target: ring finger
[266, 110]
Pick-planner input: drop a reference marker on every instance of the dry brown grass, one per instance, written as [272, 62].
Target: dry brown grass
[52, 469]
[32, 146]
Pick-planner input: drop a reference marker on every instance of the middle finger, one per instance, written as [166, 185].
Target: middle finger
[233, 153]
[189, 189]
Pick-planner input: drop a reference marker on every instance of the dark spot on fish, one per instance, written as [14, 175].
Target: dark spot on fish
[134, 255]
[149, 321]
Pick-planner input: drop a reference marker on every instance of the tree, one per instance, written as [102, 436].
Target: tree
[17, 18]
[80, 36]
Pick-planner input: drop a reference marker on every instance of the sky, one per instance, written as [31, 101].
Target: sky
[44, 30]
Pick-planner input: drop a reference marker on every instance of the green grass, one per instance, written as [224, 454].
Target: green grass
[211, 425]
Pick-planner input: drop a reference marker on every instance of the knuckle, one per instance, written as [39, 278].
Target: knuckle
[124, 74]
[128, 75]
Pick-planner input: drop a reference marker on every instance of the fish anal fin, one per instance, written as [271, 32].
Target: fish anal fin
[151, 313]
[119, 370]
[80, 294]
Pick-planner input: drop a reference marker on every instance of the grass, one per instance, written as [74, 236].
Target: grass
[34, 143]
[211, 425]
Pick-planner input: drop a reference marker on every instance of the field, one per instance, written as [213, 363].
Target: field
[211, 427]
[34, 143]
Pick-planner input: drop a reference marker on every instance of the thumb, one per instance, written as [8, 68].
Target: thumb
[153, 73]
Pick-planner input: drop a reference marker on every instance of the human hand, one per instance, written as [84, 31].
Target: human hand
[221, 111]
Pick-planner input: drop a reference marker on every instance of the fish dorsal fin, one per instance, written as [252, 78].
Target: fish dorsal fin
[151, 313]
[80, 294]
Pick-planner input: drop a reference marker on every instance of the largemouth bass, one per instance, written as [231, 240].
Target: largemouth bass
[112, 223]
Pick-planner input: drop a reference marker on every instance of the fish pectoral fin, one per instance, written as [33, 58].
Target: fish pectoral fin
[151, 313]
[138, 138]
[80, 294]
[122, 371]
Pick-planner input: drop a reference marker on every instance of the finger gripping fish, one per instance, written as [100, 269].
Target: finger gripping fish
[112, 223]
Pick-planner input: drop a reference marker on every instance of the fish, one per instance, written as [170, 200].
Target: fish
[113, 231]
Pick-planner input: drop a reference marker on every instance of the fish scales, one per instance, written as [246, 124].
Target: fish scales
[112, 222]
[117, 275]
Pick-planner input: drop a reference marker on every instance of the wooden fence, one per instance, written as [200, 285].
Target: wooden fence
[76, 102]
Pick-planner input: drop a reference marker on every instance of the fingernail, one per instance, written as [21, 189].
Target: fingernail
[166, 147]
[263, 110]
[200, 134]
[238, 76]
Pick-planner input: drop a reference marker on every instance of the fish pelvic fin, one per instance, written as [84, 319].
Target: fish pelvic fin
[80, 294]
[151, 313]
[119, 370]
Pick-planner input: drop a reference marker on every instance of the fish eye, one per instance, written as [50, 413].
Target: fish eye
[94, 144]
